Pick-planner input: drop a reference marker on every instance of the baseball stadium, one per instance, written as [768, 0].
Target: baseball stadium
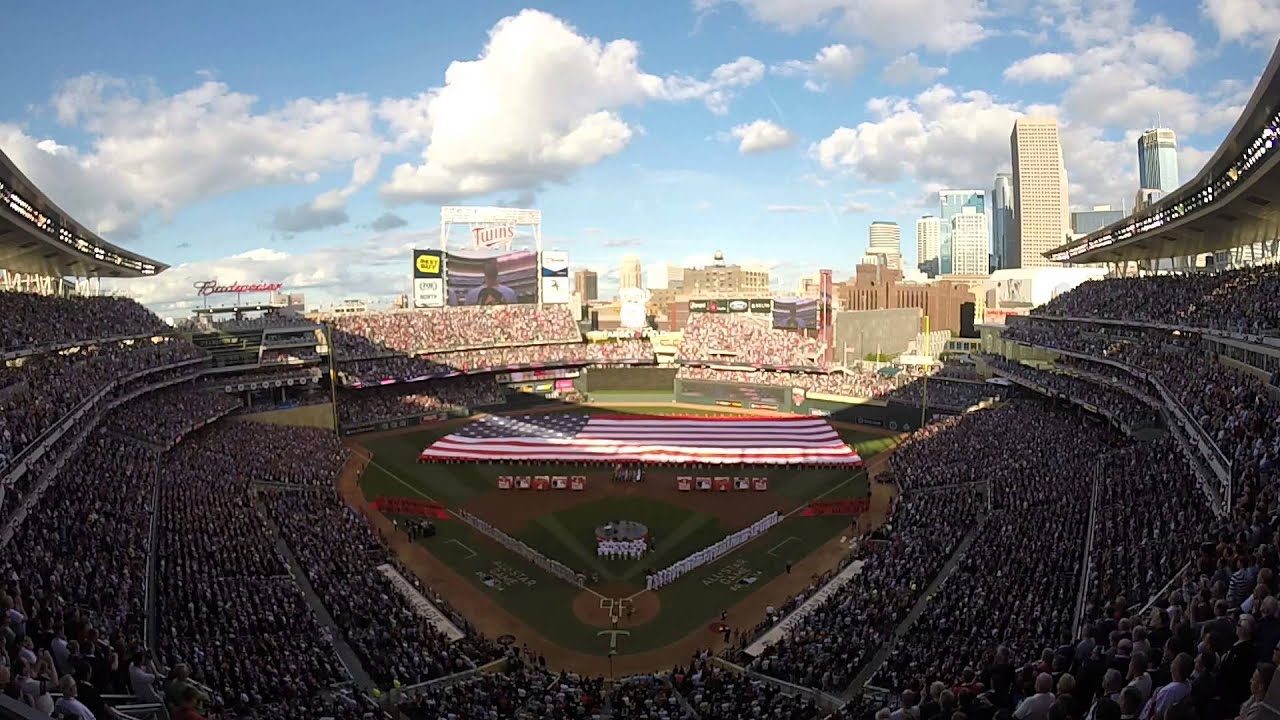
[1050, 493]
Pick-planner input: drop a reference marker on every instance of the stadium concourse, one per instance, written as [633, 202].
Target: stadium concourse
[1037, 562]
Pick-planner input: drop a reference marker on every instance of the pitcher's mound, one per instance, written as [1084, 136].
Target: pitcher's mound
[595, 611]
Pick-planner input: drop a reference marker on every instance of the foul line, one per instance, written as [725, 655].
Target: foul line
[771, 550]
[464, 546]
[415, 489]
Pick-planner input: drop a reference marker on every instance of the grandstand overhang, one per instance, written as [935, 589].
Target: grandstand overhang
[1233, 202]
[39, 238]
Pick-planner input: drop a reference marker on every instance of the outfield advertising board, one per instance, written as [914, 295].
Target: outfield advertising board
[555, 277]
[761, 306]
[428, 278]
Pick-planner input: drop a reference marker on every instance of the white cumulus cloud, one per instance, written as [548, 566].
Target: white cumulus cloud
[761, 136]
[834, 64]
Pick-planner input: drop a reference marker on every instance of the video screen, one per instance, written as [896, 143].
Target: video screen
[491, 277]
[795, 313]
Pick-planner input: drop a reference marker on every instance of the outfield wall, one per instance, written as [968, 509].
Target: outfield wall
[319, 416]
[860, 411]
[633, 379]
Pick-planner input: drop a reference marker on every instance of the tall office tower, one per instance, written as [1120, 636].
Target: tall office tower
[928, 244]
[1040, 203]
[885, 241]
[1001, 217]
[629, 275]
[587, 284]
[1158, 160]
[952, 203]
[970, 235]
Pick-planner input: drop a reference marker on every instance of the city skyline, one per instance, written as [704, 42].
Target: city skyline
[228, 152]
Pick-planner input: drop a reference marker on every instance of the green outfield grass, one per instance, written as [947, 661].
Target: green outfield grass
[545, 603]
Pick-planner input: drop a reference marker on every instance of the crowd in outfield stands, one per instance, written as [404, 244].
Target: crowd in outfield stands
[361, 406]
[46, 387]
[282, 356]
[849, 384]
[1246, 300]
[402, 368]
[901, 387]
[452, 328]
[32, 321]
[746, 340]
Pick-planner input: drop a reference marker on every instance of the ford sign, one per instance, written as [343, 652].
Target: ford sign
[738, 306]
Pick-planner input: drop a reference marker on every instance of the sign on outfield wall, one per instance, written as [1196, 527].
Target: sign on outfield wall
[555, 277]
[428, 278]
[731, 305]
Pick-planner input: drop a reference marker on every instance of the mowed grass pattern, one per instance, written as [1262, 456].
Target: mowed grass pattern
[546, 603]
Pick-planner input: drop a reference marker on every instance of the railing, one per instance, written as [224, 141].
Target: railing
[66, 344]
[1213, 455]
[1086, 563]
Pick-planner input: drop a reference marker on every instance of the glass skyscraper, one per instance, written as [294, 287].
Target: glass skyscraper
[1001, 218]
[1158, 160]
[953, 202]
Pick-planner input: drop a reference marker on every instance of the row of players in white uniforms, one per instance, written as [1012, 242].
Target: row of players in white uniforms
[657, 579]
[628, 549]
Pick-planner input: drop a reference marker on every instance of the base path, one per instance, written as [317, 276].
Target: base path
[493, 620]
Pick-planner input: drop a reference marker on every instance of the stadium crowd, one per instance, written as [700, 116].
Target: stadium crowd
[745, 340]
[944, 394]
[452, 328]
[849, 383]
[826, 647]
[1245, 300]
[168, 414]
[29, 321]
[45, 388]
[1115, 402]
[717, 694]
[356, 373]
[1233, 407]
[340, 555]
[524, 688]
[388, 403]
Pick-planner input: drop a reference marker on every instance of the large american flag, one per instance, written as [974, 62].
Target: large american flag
[578, 437]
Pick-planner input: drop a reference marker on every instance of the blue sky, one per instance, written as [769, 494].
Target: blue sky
[313, 143]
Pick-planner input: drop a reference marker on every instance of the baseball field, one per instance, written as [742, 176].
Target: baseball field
[503, 594]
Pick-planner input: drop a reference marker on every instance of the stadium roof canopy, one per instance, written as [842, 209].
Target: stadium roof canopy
[1234, 201]
[37, 237]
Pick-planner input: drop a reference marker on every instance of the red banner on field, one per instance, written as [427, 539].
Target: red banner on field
[837, 507]
[410, 506]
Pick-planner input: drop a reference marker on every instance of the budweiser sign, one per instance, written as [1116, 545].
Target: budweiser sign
[211, 287]
[493, 235]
